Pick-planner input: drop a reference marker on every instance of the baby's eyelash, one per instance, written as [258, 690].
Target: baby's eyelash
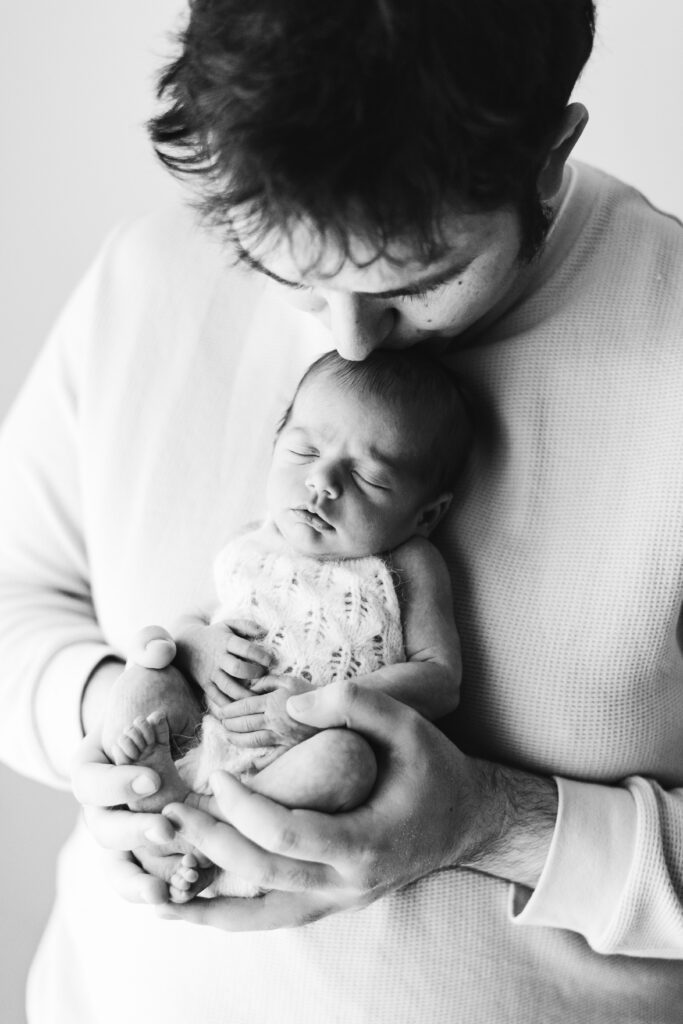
[308, 453]
[370, 483]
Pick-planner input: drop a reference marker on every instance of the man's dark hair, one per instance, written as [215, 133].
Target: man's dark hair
[367, 117]
[426, 393]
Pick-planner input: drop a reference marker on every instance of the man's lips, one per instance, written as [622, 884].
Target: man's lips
[311, 518]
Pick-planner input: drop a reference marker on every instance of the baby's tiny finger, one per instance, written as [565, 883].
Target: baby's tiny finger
[246, 628]
[230, 687]
[235, 666]
[251, 705]
[245, 723]
[249, 651]
[215, 695]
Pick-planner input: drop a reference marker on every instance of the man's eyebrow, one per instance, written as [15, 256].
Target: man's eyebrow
[423, 284]
[251, 261]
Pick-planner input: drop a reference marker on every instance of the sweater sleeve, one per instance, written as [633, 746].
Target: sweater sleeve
[614, 872]
[50, 641]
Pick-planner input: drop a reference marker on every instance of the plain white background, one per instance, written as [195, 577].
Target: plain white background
[76, 84]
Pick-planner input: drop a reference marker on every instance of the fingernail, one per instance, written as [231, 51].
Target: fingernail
[144, 785]
[302, 701]
[175, 822]
[155, 835]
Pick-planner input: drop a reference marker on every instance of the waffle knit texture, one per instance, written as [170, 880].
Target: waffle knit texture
[141, 442]
[324, 621]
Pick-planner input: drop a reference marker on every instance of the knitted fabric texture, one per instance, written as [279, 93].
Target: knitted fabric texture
[324, 621]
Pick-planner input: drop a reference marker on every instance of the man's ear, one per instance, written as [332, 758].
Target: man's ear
[431, 515]
[574, 120]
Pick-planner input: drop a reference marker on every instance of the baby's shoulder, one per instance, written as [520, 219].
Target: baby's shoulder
[417, 560]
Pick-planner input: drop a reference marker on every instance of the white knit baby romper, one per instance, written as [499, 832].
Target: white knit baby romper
[324, 620]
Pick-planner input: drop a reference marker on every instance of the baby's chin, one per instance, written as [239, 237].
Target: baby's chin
[313, 543]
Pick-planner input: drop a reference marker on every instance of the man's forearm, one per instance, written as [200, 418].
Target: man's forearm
[518, 813]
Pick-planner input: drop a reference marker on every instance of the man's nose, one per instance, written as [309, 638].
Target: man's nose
[359, 325]
[323, 480]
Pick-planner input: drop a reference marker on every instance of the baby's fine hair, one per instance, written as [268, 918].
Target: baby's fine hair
[422, 387]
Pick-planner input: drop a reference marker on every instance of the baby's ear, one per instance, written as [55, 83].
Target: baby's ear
[431, 515]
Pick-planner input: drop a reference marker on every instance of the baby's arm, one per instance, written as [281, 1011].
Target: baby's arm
[429, 679]
[221, 658]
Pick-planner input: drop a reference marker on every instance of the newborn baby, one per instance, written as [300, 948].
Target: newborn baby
[339, 582]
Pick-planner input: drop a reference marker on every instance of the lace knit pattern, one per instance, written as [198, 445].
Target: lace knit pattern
[324, 621]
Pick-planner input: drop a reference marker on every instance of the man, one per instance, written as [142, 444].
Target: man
[400, 172]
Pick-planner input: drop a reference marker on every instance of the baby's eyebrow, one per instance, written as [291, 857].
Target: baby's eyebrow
[423, 284]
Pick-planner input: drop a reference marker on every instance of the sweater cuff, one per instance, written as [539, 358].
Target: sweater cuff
[588, 863]
[57, 704]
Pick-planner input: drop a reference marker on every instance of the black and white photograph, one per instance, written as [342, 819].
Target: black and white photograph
[341, 512]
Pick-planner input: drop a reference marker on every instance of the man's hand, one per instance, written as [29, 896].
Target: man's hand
[100, 786]
[432, 808]
[115, 698]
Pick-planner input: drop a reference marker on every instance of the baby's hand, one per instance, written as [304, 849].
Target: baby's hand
[262, 720]
[223, 659]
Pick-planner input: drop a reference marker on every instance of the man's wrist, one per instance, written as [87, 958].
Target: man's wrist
[96, 693]
[517, 812]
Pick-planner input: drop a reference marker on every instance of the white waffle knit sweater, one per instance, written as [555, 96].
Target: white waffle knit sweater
[142, 440]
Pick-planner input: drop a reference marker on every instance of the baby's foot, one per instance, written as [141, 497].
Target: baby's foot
[147, 742]
[189, 878]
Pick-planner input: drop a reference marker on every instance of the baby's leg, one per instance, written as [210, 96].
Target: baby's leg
[147, 742]
[334, 770]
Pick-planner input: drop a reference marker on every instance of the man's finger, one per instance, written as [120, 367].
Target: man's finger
[132, 883]
[230, 850]
[262, 913]
[304, 835]
[126, 830]
[107, 785]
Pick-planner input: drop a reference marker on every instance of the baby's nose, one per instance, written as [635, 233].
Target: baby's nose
[323, 481]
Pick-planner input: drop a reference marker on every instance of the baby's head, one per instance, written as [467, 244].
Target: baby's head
[367, 454]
